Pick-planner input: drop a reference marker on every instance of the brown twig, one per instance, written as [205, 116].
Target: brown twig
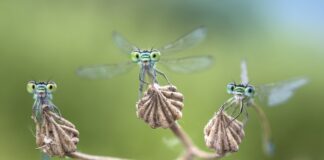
[83, 156]
[192, 151]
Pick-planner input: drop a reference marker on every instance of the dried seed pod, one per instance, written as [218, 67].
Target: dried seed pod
[160, 106]
[223, 134]
[55, 136]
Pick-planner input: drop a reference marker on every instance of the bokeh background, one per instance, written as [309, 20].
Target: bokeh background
[47, 39]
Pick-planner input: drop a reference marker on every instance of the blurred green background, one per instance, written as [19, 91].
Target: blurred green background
[47, 39]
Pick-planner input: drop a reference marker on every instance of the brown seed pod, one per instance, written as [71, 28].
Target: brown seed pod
[223, 134]
[55, 136]
[160, 106]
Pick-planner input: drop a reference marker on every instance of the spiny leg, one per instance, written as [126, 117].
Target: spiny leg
[142, 77]
[234, 110]
[227, 105]
[153, 75]
[162, 74]
[241, 111]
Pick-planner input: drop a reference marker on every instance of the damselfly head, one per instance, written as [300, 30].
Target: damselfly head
[240, 90]
[41, 89]
[145, 56]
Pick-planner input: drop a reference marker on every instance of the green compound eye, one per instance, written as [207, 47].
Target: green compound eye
[31, 86]
[155, 56]
[51, 86]
[135, 56]
[230, 88]
[249, 91]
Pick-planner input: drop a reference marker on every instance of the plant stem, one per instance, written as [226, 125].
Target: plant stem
[192, 151]
[83, 156]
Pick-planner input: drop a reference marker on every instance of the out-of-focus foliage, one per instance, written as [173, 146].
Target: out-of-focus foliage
[43, 39]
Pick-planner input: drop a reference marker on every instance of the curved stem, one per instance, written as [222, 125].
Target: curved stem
[192, 150]
[83, 156]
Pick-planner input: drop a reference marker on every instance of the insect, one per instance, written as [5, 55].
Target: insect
[147, 59]
[273, 94]
[42, 94]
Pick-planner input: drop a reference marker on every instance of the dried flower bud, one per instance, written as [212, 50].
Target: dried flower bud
[55, 136]
[223, 134]
[160, 106]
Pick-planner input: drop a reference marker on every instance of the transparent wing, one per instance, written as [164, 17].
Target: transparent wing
[105, 71]
[54, 108]
[122, 43]
[37, 111]
[244, 72]
[277, 93]
[188, 64]
[185, 41]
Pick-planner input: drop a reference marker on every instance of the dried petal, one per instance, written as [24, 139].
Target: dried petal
[160, 106]
[223, 134]
[55, 136]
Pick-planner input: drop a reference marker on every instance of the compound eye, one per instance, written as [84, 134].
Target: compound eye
[230, 88]
[249, 91]
[31, 85]
[155, 56]
[51, 86]
[135, 56]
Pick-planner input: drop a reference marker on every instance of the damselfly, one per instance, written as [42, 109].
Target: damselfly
[42, 94]
[272, 94]
[147, 59]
